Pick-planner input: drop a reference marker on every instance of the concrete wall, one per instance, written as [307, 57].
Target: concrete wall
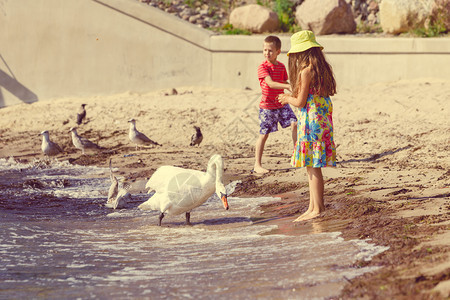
[355, 60]
[60, 48]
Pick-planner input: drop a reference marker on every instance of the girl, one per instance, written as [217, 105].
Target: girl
[312, 83]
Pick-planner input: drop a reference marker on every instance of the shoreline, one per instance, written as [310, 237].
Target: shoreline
[392, 183]
[405, 266]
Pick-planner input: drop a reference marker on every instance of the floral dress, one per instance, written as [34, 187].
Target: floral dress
[315, 144]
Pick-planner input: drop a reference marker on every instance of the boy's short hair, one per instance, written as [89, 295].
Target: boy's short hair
[274, 40]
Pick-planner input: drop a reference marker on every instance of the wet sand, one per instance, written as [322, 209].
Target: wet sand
[391, 185]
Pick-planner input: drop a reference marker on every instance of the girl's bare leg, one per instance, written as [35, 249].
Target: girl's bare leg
[294, 132]
[311, 200]
[308, 211]
[316, 187]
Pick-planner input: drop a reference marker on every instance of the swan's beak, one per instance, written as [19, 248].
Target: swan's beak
[224, 199]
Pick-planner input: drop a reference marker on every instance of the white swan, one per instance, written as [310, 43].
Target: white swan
[179, 190]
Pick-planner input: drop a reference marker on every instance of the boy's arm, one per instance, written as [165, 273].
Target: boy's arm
[300, 100]
[277, 85]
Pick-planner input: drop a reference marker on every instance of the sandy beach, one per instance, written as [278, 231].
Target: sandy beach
[391, 185]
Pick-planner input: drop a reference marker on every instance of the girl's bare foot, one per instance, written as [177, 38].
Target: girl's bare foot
[312, 215]
[299, 219]
[260, 170]
[303, 215]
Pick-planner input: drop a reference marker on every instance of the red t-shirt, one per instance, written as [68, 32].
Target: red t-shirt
[277, 73]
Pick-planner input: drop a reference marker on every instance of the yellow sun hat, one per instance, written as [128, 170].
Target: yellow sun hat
[303, 40]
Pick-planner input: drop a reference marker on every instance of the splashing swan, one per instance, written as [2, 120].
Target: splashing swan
[179, 190]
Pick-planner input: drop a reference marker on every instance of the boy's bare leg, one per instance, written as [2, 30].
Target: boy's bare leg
[258, 168]
[316, 187]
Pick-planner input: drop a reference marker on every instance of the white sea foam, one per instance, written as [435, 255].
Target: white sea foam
[368, 250]
[12, 164]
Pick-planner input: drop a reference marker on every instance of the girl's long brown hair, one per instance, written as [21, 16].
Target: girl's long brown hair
[322, 81]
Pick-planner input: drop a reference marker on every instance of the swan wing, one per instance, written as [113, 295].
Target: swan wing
[158, 201]
[189, 200]
[188, 190]
[163, 175]
[178, 190]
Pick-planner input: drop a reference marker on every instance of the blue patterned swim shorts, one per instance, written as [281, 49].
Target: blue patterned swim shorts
[271, 117]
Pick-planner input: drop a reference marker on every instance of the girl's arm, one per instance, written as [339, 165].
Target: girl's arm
[300, 100]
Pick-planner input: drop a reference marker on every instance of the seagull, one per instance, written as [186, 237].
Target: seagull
[122, 196]
[81, 142]
[114, 188]
[197, 137]
[48, 147]
[118, 191]
[137, 137]
[179, 190]
[81, 115]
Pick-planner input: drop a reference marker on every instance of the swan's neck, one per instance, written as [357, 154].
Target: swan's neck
[215, 170]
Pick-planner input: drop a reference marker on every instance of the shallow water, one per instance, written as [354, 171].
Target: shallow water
[58, 240]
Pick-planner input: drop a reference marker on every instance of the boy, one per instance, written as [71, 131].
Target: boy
[273, 78]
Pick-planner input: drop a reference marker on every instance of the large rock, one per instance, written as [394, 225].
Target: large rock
[326, 16]
[254, 18]
[441, 13]
[397, 16]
